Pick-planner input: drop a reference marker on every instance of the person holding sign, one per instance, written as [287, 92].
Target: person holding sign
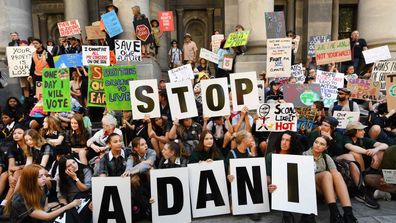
[343, 103]
[222, 52]
[114, 162]
[137, 15]
[109, 40]
[206, 151]
[329, 181]
[187, 131]
[172, 157]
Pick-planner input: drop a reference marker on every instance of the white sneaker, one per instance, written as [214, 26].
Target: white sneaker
[382, 195]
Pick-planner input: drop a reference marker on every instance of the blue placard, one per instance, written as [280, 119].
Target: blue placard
[112, 24]
[68, 60]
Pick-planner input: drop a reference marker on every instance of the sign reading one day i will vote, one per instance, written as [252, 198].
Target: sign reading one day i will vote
[276, 117]
[329, 83]
[166, 21]
[279, 57]
[69, 28]
[334, 51]
[275, 25]
[56, 90]
[128, 50]
[112, 24]
[19, 60]
[237, 39]
[96, 92]
[116, 84]
[364, 89]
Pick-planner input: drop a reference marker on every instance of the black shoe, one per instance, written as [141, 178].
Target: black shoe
[287, 217]
[349, 218]
[255, 217]
[368, 200]
[307, 218]
[337, 218]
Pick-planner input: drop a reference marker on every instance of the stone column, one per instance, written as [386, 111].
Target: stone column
[335, 19]
[210, 12]
[93, 11]
[43, 26]
[291, 6]
[180, 27]
[126, 17]
[376, 23]
[77, 9]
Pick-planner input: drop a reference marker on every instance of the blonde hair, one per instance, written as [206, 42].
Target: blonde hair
[240, 136]
[36, 137]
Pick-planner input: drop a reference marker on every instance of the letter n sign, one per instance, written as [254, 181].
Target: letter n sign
[111, 199]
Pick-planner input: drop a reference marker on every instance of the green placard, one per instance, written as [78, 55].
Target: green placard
[116, 83]
[96, 92]
[56, 90]
[237, 39]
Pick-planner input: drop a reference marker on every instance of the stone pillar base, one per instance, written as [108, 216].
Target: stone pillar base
[146, 69]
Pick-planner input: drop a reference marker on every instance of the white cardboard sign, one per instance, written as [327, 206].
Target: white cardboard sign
[96, 55]
[128, 50]
[244, 90]
[144, 99]
[377, 54]
[345, 117]
[182, 101]
[215, 99]
[279, 57]
[216, 42]
[209, 55]
[329, 83]
[19, 60]
[389, 176]
[181, 73]
[276, 117]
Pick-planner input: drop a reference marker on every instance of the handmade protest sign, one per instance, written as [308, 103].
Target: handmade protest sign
[349, 77]
[111, 199]
[116, 84]
[144, 99]
[169, 190]
[68, 60]
[314, 40]
[237, 39]
[228, 61]
[94, 32]
[389, 176]
[128, 50]
[279, 57]
[248, 189]
[166, 21]
[261, 91]
[56, 90]
[334, 51]
[215, 99]
[276, 117]
[143, 31]
[181, 95]
[96, 92]
[301, 95]
[69, 28]
[391, 91]
[216, 42]
[376, 54]
[96, 55]
[294, 177]
[275, 24]
[112, 24]
[39, 90]
[306, 119]
[345, 117]
[181, 73]
[364, 89]
[244, 90]
[382, 68]
[329, 83]
[298, 73]
[19, 60]
[209, 55]
[208, 189]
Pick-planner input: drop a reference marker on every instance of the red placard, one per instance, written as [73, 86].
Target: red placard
[166, 21]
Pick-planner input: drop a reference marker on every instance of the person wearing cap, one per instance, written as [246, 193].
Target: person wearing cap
[274, 93]
[175, 55]
[343, 102]
[189, 49]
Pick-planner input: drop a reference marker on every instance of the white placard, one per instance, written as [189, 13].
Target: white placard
[209, 55]
[244, 90]
[298, 73]
[389, 176]
[345, 117]
[181, 73]
[144, 99]
[261, 91]
[329, 83]
[279, 57]
[216, 42]
[128, 50]
[249, 171]
[215, 97]
[173, 186]
[380, 69]
[227, 62]
[181, 100]
[96, 55]
[376, 54]
[114, 192]
[276, 117]
[302, 182]
[19, 60]
[208, 189]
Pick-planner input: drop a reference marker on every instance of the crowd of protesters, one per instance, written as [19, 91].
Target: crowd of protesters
[47, 160]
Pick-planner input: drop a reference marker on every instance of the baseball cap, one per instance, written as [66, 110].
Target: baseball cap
[355, 125]
[344, 90]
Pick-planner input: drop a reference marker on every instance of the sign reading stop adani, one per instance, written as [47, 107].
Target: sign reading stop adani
[276, 117]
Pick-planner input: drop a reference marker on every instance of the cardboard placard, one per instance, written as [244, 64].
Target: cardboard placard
[391, 91]
[96, 55]
[298, 73]
[56, 90]
[294, 177]
[301, 95]
[39, 90]
[228, 60]
[279, 57]
[69, 28]
[329, 83]
[275, 24]
[261, 91]
[112, 24]
[334, 51]
[345, 117]
[276, 117]
[249, 191]
[128, 50]
[96, 93]
[349, 77]
[215, 99]
[389, 176]
[94, 32]
[181, 73]
[376, 54]
[19, 60]
[166, 21]
[382, 68]
[364, 89]
[68, 60]
[314, 40]
[244, 90]
[237, 39]
[209, 55]
[216, 42]
[306, 119]
[116, 84]
[144, 99]
[181, 95]
[143, 31]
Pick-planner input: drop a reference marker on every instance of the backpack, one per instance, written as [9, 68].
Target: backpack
[336, 104]
[343, 168]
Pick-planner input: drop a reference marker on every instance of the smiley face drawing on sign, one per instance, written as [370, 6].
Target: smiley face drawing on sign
[263, 113]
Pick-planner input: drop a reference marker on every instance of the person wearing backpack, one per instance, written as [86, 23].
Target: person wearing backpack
[343, 102]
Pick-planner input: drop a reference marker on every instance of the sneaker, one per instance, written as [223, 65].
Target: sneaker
[349, 218]
[368, 200]
[382, 195]
[307, 218]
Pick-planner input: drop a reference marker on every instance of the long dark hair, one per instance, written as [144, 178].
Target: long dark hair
[295, 144]
[214, 152]
[63, 177]
[81, 132]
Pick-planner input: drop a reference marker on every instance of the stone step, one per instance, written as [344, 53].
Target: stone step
[249, 58]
